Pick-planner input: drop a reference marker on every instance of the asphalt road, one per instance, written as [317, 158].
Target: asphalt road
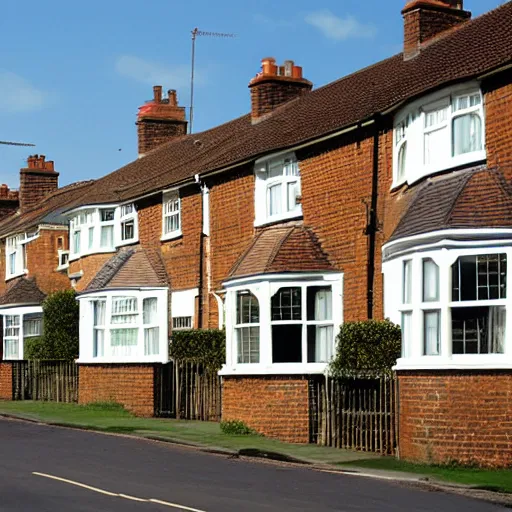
[54, 469]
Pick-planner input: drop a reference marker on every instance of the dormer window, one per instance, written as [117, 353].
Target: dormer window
[440, 132]
[278, 190]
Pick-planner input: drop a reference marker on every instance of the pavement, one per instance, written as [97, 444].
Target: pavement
[47, 468]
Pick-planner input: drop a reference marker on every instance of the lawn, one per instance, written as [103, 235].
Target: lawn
[490, 479]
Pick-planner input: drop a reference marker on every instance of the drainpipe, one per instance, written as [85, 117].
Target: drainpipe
[201, 258]
[373, 226]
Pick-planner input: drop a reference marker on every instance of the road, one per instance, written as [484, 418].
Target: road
[54, 469]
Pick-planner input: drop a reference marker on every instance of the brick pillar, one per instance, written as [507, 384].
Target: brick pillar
[37, 180]
[5, 381]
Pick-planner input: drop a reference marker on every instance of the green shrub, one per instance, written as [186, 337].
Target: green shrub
[34, 348]
[203, 346]
[60, 329]
[368, 349]
[236, 427]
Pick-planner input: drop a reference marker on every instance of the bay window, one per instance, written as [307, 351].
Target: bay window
[124, 327]
[282, 326]
[439, 132]
[20, 324]
[12, 330]
[278, 189]
[452, 306]
[172, 215]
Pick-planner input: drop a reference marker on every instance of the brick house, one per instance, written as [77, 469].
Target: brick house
[384, 194]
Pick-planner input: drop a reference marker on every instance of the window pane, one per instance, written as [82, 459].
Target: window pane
[91, 238]
[123, 341]
[98, 342]
[172, 223]
[467, 134]
[76, 242]
[248, 310]
[107, 215]
[287, 343]
[150, 311]
[275, 170]
[406, 333]
[479, 330]
[434, 145]
[407, 282]
[402, 157]
[320, 343]
[128, 230]
[275, 206]
[107, 237]
[248, 344]
[291, 167]
[99, 312]
[430, 281]
[181, 322]
[319, 303]
[431, 332]
[124, 310]
[151, 336]
[286, 304]
[32, 325]
[293, 194]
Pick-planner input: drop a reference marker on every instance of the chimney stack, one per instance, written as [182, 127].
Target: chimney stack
[9, 201]
[425, 19]
[37, 180]
[276, 85]
[160, 120]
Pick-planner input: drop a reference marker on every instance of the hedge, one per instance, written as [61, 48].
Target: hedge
[204, 346]
[368, 349]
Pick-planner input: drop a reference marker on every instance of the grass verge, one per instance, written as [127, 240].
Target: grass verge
[489, 479]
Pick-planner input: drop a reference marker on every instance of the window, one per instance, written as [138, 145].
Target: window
[278, 190]
[128, 226]
[15, 255]
[439, 132]
[406, 309]
[431, 317]
[481, 281]
[292, 323]
[181, 323]
[12, 337]
[32, 325]
[172, 214]
[63, 259]
[124, 327]
[107, 228]
[247, 327]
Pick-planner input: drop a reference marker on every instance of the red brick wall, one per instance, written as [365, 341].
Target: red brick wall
[5, 381]
[153, 133]
[130, 385]
[498, 134]
[35, 185]
[275, 406]
[463, 417]
[90, 265]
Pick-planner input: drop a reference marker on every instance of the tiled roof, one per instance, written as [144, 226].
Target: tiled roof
[474, 48]
[22, 292]
[288, 248]
[128, 268]
[48, 211]
[474, 198]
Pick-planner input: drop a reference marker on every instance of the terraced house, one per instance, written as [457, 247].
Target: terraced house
[384, 194]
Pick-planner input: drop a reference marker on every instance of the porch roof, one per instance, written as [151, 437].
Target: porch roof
[24, 292]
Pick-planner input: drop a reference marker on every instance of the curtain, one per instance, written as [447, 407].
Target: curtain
[323, 334]
[430, 281]
[431, 327]
[293, 193]
[402, 159]
[124, 310]
[123, 341]
[151, 339]
[497, 316]
[275, 206]
[467, 134]
[150, 311]
[406, 332]
[107, 237]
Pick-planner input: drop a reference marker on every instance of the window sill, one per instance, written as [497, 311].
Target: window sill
[457, 362]
[62, 268]
[171, 236]
[278, 218]
[274, 369]
[124, 360]
[14, 276]
[127, 242]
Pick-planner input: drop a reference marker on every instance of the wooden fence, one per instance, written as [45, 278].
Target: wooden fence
[187, 391]
[357, 414]
[52, 380]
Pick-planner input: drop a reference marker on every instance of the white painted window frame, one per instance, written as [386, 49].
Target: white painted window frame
[263, 288]
[263, 183]
[412, 353]
[138, 356]
[170, 199]
[19, 312]
[126, 213]
[15, 247]
[414, 115]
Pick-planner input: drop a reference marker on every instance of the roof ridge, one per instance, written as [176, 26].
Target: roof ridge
[147, 252]
[463, 185]
[239, 260]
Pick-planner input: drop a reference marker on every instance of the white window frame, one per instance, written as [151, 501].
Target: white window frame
[171, 208]
[263, 288]
[444, 255]
[15, 248]
[127, 213]
[415, 115]
[264, 183]
[137, 355]
[182, 323]
[20, 312]
[63, 256]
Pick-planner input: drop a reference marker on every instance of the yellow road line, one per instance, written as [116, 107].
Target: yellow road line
[116, 495]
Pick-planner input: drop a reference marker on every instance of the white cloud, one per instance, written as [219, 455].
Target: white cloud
[272, 23]
[337, 28]
[19, 95]
[153, 73]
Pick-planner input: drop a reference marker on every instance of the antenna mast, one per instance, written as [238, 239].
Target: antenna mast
[6, 143]
[195, 34]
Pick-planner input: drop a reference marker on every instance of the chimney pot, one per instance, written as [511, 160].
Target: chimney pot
[157, 93]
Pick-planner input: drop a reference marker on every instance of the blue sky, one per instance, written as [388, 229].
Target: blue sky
[72, 74]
